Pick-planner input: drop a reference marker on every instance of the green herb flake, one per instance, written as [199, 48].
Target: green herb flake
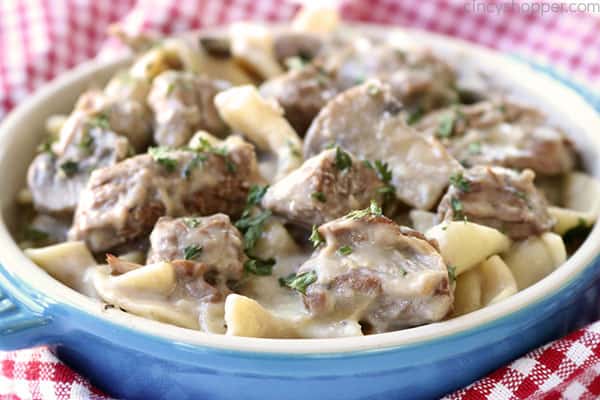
[87, 142]
[457, 208]
[414, 116]
[299, 282]
[475, 148]
[255, 195]
[319, 196]
[342, 159]
[197, 160]
[452, 273]
[315, 237]
[446, 126]
[368, 164]
[458, 181]
[294, 63]
[344, 250]
[99, 121]
[373, 210]
[383, 171]
[252, 227]
[170, 88]
[35, 235]
[373, 89]
[69, 168]
[161, 156]
[191, 222]
[259, 267]
[294, 150]
[46, 146]
[191, 252]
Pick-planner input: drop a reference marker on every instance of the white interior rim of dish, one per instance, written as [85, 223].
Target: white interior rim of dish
[13, 259]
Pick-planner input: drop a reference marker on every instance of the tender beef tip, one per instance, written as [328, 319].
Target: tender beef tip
[123, 202]
[125, 116]
[57, 176]
[365, 120]
[296, 44]
[371, 269]
[182, 103]
[418, 78]
[500, 198]
[501, 132]
[301, 93]
[326, 187]
[209, 248]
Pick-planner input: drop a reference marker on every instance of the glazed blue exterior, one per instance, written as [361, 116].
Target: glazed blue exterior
[132, 365]
[129, 364]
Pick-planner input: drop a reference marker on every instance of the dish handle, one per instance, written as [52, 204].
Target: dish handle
[22, 320]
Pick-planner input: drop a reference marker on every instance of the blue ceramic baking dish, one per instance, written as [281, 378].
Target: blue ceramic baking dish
[130, 357]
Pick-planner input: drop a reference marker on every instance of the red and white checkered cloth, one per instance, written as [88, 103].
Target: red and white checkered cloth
[39, 39]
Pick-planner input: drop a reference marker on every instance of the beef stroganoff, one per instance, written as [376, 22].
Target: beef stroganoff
[304, 182]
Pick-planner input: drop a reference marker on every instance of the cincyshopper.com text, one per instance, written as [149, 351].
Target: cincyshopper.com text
[537, 7]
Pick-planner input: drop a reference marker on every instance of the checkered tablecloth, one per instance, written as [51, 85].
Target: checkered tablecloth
[39, 39]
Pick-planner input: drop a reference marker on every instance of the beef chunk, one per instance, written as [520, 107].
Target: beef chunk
[327, 186]
[501, 132]
[123, 202]
[371, 269]
[183, 103]
[301, 93]
[500, 198]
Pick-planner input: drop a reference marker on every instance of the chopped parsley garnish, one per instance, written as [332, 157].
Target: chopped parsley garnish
[34, 234]
[319, 196]
[452, 273]
[161, 156]
[458, 181]
[315, 237]
[206, 147]
[520, 195]
[86, 142]
[457, 208]
[373, 89]
[414, 116]
[299, 282]
[295, 63]
[259, 267]
[170, 88]
[383, 171]
[191, 222]
[475, 148]
[342, 159]
[255, 195]
[69, 168]
[294, 150]
[198, 159]
[99, 121]
[446, 126]
[252, 227]
[191, 252]
[46, 146]
[373, 210]
[368, 164]
[344, 250]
